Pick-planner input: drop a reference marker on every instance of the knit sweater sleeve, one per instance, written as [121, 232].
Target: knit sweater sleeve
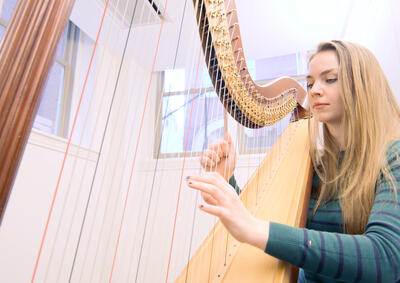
[371, 257]
[233, 183]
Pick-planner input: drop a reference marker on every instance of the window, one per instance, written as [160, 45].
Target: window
[207, 115]
[191, 118]
[53, 111]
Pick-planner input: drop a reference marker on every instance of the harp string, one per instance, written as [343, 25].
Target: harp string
[127, 194]
[213, 169]
[213, 109]
[224, 102]
[103, 264]
[203, 91]
[103, 54]
[213, 220]
[192, 101]
[138, 141]
[227, 169]
[81, 182]
[67, 150]
[183, 163]
[188, 153]
[136, 234]
[102, 186]
[158, 148]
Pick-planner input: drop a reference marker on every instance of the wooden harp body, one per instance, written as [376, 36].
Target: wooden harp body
[278, 191]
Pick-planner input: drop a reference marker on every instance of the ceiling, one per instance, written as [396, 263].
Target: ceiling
[273, 28]
[269, 28]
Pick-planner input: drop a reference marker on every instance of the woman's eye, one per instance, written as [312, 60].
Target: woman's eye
[309, 85]
[330, 81]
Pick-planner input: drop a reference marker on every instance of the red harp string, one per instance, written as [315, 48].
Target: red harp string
[68, 147]
[53, 217]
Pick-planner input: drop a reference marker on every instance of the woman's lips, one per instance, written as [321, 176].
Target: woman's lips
[319, 105]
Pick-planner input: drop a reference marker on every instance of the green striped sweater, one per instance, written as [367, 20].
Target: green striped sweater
[325, 254]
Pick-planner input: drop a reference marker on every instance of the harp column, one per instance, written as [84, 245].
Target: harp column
[26, 55]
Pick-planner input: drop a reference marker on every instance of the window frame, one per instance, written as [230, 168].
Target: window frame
[158, 118]
[69, 63]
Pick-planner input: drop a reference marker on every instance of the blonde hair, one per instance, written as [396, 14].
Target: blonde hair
[370, 123]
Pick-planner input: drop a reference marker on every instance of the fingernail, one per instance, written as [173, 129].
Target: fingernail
[187, 177]
[201, 205]
[190, 182]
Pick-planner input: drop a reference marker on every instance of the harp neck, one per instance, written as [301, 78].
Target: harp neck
[250, 104]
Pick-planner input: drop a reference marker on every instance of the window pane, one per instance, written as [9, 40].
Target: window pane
[172, 129]
[174, 80]
[196, 125]
[207, 124]
[265, 137]
[184, 79]
[7, 9]
[47, 115]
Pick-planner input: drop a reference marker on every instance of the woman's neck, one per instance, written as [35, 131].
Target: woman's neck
[337, 132]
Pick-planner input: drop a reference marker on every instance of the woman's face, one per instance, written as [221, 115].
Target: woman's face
[323, 88]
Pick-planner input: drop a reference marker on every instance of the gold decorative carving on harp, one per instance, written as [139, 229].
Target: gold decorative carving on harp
[25, 58]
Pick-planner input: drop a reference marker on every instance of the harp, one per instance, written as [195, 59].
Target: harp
[78, 247]
[253, 106]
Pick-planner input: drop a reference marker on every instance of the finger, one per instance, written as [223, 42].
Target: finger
[208, 164]
[207, 177]
[206, 187]
[211, 209]
[209, 158]
[210, 153]
[227, 138]
[208, 199]
[216, 181]
[231, 146]
[221, 148]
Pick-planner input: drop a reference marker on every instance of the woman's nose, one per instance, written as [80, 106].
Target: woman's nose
[315, 89]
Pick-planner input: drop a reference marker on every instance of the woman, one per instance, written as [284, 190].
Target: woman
[353, 226]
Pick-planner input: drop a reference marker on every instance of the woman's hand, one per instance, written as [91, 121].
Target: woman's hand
[222, 201]
[220, 157]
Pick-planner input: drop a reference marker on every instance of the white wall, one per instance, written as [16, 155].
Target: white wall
[376, 25]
